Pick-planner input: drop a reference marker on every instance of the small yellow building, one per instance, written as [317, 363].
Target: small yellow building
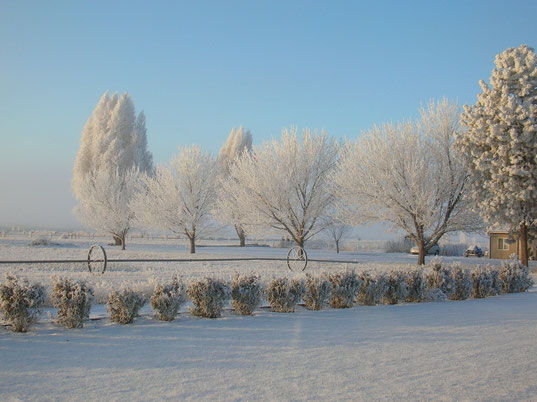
[502, 247]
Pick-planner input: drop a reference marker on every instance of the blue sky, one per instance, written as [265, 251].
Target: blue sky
[199, 68]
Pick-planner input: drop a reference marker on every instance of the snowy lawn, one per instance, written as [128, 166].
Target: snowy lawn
[468, 350]
[455, 350]
[140, 275]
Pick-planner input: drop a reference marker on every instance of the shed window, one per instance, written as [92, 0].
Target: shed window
[502, 244]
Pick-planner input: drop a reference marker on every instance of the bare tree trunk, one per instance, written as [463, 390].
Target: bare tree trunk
[337, 246]
[117, 241]
[123, 241]
[300, 243]
[192, 244]
[242, 235]
[524, 244]
[421, 253]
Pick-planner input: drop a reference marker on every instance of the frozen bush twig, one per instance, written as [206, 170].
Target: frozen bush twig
[515, 277]
[318, 291]
[246, 292]
[168, 298]
[73, 300]
[372, 290]
[208, 297]
[439, 276]
[20, 302]
[416, 285]
[397, 289]
[284, 294]
[462, 283]
[123, 305]
[345, 285]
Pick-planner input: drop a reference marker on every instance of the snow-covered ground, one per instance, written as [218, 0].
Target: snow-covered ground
[454, 350]
[140, 274]
[468, 350]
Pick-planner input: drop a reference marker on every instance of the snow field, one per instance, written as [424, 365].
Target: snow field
[478, 349]
[471, 350]
[141, 277]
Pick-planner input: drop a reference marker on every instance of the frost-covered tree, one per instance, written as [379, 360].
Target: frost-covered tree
[113, 144]
[337, 230]
[238, 142]
[406, 175]
[500, 145]
[285, 185]
[179, 198]
[104, 201]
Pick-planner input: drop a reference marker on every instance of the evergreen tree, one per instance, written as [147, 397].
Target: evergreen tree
[500, 145]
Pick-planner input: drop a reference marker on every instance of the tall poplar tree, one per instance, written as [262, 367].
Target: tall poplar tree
[238, 143]
[113, 149]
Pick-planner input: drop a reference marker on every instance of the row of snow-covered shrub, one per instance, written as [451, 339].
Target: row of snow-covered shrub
[21, 302]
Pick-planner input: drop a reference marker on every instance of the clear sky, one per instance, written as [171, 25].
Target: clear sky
[199, 68]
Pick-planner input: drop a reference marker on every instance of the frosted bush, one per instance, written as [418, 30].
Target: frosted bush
[438, 276]
[497, 282]
[208, 297]
[462, 283]
[284, 294]
[318, 291]
[515, 277]
[167, 299]
[124, 305]
[345, 286]
[401, 245]
[416, 285]
[73, 300]
[40, 241]
[20, 302]
[396, 287]
[482, 282]
[246, 293]
[433, 295]
[372, 290]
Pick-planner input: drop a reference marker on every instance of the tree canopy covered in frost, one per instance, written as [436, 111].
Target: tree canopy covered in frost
[500, 145]
[113, 145]
[104, 201]
[284, 185]
[113, 139]
[406, 174]
[238, 142]
[179, 197]
[337, 230]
